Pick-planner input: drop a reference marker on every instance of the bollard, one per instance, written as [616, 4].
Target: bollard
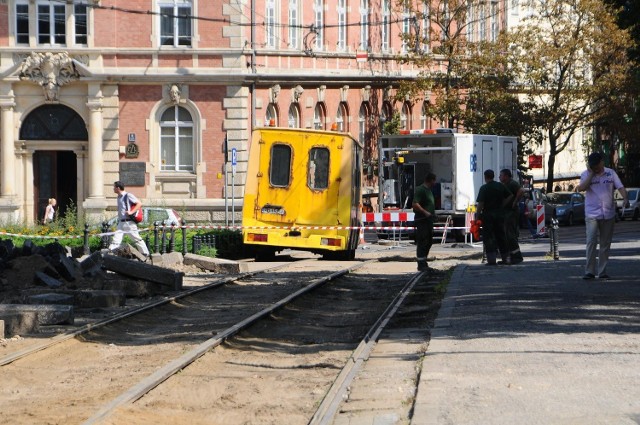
[195, 245]
[105, 239]
[164, 240]
[86, 249]
[156, 241]
[184, 237]
[172, 238]
[554, 229]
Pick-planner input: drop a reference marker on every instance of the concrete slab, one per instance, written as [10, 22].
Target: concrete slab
[134, 288]
[51, 298]
[44, 279]
[45, 314]
[100, 299]
[144, 271]
[217, 265]
[19, 323]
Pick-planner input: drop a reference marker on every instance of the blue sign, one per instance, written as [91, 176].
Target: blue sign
[234, 156]
[473, 162]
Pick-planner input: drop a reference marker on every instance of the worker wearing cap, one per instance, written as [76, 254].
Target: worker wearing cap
[599, 182]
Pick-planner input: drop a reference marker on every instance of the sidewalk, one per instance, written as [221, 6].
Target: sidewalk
[536, 344]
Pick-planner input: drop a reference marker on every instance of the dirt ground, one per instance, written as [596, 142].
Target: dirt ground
[295, 376]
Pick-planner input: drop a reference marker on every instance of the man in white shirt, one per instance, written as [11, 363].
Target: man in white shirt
[599, 183]
[128, 203]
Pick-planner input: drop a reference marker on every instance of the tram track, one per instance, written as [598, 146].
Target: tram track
[94, 325]
[115, 354]
[291, 367]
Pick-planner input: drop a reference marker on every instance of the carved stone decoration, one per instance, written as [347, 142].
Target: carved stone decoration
[386, 95]
[344, 94]
[321, 91]
[174, 93]
[366, 93]
[50, 70]
[296, 92]
[274, 92]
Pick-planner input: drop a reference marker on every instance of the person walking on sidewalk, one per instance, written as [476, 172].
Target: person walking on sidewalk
[127, 205]
[424, 207]
[512, 216]
[599, 183]
[492, 198]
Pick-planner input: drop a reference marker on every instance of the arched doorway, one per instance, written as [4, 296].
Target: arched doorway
[54, 163]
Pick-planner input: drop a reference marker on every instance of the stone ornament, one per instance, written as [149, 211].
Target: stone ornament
[50, 70]
[297, 93]
[274, 92]
[175, 93]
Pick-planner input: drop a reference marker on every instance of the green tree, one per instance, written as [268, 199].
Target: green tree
[437, 45]
[570, 59]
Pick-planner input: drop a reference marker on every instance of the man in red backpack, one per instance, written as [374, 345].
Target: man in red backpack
[128, 204]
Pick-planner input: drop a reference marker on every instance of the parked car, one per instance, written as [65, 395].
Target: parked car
[152, 214]
[567, 207]
[633, 211]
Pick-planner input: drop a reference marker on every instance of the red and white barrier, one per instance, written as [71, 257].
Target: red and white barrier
[388, 216]
[540, 219]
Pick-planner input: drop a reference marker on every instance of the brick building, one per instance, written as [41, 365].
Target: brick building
[148, 91]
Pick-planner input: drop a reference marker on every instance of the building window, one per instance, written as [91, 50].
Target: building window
[342, 25]
[341, 117]
[423, 116]
[318, 169]
[294, 23]
[426, 29]
[494, 21]
[405, 117]
[319, 117]
[318, 12]
[175, 23]
[406, 28]
[22, 24]
[471, 21]
[271, 117]
[385, 26]
[482, 36]
[51, 24]
[294, 116]
[176, 140]
[270, 23]
[80, 12]
[364, 24]
[280, 166]
[362, 123]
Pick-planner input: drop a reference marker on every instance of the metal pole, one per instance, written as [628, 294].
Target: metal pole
[556, 249]
[86, 239]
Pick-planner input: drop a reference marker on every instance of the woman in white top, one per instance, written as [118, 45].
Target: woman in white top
[50, 211]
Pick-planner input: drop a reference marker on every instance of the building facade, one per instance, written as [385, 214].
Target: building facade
[158, 93]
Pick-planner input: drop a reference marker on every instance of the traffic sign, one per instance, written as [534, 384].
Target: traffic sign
[234, 156]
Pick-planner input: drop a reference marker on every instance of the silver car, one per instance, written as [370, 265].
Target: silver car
[633, 211]
[165, 216]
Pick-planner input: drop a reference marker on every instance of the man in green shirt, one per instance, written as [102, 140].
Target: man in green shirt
[424, 207]
[511, 216]
[492, 198]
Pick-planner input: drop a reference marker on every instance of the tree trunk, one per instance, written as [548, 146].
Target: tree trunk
[550, 164]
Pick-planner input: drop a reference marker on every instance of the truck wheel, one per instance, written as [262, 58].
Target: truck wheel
[346, 255]
[265, 255]
[458, 235]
